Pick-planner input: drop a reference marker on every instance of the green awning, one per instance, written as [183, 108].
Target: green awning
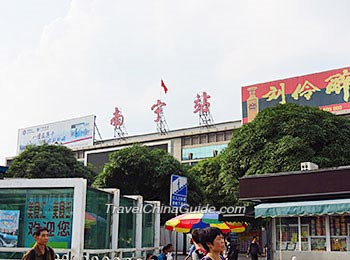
[303, 208]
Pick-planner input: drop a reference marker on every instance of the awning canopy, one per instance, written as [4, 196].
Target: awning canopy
[303, 208]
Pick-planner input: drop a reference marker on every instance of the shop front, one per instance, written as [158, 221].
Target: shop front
[309, 212]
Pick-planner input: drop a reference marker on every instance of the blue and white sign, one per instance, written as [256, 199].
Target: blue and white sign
[73, 133]
[178, 191]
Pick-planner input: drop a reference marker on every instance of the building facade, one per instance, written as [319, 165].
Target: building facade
[188, 145]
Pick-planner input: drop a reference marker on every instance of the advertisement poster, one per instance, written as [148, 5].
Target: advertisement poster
[56, 214]
[327, 90]
[9, 221]
[73, 133]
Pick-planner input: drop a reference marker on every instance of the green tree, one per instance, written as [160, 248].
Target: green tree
[282, 137]
[217, 187]
[139, 170]
[48, 161]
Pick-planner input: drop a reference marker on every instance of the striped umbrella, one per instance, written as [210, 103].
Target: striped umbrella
[186, 222]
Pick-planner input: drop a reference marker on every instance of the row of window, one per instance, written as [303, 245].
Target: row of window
[207, 138]
[202, 152]
[314, 236]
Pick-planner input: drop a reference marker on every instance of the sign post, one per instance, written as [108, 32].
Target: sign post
[178, 196]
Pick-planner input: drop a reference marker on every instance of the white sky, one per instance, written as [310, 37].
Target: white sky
[62, 59]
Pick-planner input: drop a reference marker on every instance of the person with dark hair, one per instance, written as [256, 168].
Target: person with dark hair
[40, 251]
[214, 243]
[254, 250]
[162, 255]
[169, 254]
[232, 249]
[151, 257]
[197, 237]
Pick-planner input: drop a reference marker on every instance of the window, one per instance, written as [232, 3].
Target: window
[202, 152]
[203, 139]
[186, 141]
[195, 139]
[339, 232]
[316, 232]
[313, 233]
[220, 137]
[228, 135]
[80, 154]
[287, 234]
[212, 138]
[24, 209]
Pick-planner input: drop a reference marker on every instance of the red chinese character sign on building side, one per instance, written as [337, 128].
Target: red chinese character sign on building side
[157, 108]
[327, 90]
[118, 122]
[201, 106]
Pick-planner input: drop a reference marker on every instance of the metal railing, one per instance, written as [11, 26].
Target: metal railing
[92, 254]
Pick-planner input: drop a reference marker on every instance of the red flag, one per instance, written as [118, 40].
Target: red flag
[163, 86]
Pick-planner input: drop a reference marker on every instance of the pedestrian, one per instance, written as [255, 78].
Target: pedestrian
[169, 254]
[40, 250]
[151, 257]
[162, 255]
[267, 251]
[191, 250]
[232, 250]
[197, 237]
[254, 250]
[214, 243]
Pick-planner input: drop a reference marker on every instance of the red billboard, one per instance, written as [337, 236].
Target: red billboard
[327, 90]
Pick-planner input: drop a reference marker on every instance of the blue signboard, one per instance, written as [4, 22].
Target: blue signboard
[9, 220]
[178, 191]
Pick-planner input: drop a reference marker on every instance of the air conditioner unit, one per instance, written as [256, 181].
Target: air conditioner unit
[307, 166]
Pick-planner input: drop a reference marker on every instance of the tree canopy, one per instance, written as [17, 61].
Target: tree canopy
[140, 170]
[48, 161]
[217, 187]
[282, 137]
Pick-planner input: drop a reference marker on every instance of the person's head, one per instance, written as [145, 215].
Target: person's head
[198, 235]
[254, 239]
[165, 250]
[169, 248]
[41, 235]
[213, 240]
[154, 257]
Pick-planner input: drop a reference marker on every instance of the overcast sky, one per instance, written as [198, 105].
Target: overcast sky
[62, 59]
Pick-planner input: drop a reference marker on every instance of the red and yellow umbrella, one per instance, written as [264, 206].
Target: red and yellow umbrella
[186, 222]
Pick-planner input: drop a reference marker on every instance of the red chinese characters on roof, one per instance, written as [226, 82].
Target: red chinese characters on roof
[201, 103]
[158, 109]
[117, 119]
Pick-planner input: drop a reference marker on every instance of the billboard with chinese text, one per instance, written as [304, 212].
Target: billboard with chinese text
[9, 222]
[55, 213]
[73, 133]
[327, 90]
